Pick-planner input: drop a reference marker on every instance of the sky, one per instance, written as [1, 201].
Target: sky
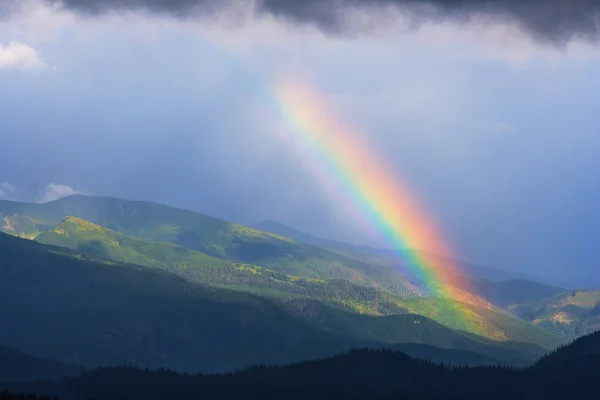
[488, 113]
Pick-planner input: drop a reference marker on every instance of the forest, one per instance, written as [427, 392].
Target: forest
[568, 372]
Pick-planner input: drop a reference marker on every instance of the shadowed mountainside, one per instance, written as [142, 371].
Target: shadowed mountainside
[92, 312]
[16, 366]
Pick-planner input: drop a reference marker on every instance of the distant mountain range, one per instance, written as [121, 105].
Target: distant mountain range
[111, 281]
[473, 270]
[569, 313]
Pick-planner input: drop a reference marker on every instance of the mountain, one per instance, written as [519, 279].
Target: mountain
[359, 374]
[278, 228]
[587, 346]
[90, 311]
[523, 296]
[393, 330]
[92, 239]
[569, 372]
[22, 226]
[224, 240]
[570, 315]
[16, 366]
[517, 295]
[99, 313]
[211, 236]
[387, 256]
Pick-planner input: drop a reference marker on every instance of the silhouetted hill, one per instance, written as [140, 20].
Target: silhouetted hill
[16, 366]
[357, 374]
[586, 347]
[361, 374]
[6, 395]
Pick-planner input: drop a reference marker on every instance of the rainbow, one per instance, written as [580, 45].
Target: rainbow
[340, 159]
[340, 156]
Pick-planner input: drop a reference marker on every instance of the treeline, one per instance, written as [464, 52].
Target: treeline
[6, 395]
[357, 374]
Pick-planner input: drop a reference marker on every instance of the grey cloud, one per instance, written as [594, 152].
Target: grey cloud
[549, 21]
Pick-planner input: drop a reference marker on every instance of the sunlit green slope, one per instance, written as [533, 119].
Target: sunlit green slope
[55, 303]
[87, 311]
[571, 315]
[568, 313]
[93, 239]
[214, 237]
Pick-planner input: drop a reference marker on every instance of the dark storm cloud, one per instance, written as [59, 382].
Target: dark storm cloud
[552, 21]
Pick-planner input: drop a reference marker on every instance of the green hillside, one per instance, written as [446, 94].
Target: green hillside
[77, 234]
[570, 315]
[22, 226]
[89, 238]
[84, 311]
[214, 237]
[411, 328]
[91, 313]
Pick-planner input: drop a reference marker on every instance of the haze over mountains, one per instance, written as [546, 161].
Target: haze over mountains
[476, 270]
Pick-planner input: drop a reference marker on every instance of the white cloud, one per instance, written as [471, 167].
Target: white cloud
[53, 191]
[19, 56]
[8, 191]
[36, 21]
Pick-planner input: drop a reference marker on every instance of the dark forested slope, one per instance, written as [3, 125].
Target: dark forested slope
[17, 366]
[357, 374]
[93, 313]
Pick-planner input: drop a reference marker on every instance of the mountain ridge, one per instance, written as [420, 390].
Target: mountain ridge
[83, 236]
[93, 313]
[279, 228]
